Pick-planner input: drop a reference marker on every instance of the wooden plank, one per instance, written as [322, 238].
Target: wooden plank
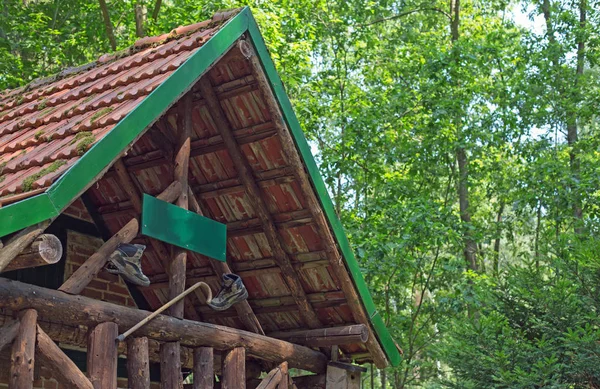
[323, 230]
[102, 355]
[138, 363]
[64, 369]
[82, 276]
[170, 366]
[258, 204]
[22, 358]
[46, 249]
[204, 372]
[323, 337]
[8, 332]
[19, 242]
[234, 369]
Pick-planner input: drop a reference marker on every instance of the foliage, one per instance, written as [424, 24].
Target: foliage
[442, 132]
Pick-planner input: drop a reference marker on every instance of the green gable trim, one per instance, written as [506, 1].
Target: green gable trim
[99, 158]
[180, 227]
[289, 116]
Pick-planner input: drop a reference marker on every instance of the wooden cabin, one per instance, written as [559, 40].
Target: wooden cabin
[185, 143]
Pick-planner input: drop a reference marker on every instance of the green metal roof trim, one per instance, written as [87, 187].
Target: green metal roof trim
[99, 158]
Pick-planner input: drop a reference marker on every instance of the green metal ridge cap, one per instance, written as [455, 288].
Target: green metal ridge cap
[385, 339]
[100, 157]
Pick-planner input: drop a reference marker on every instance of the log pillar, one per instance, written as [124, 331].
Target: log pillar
[204, 372]
[102, 355]
[234, 369]
[170, 366]
[23, 352]
[138, 363]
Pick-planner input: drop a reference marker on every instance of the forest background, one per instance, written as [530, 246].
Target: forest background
[460, 142]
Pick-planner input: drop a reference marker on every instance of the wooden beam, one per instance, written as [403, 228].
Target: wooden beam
[72, 310]
[8, 332]
[254, 194]
[204, 372]
[234, 369]
[323, 230]
[19, 242]
[92, 266]
[138, 363]
[86, 272]
[157, 281]
[64, 368]
[323, 337]
[46, 249]
[317, 381]
[275, 378]
[102, 356]
[170, 366]
[22, 358]
[243, 310]
[135, 199]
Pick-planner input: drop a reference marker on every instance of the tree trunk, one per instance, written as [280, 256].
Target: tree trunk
[156, 9]
[383, 379]
[470, 246]
[140, 18]
[108, 25]
[572, 133]
[497, 241]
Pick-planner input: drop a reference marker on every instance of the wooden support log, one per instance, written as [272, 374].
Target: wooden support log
[310, 381]
[275, 377]
[78, 310]
[46, 249]
[323, 230]
[204, 372]
[234, 370]
[138, 363]
[170, 366]
[22, 358]
[19, 242]
[64, 368]
[258, 204]
[102, 356]
[323, 337]
[8, 332]
[82, 276]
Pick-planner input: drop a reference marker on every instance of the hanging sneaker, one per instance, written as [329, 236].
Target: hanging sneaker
[126, 261]
[232, 291]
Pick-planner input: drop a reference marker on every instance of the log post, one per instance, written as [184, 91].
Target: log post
[313, 204]
[19, 242]
[8, 333]
[82, 276]
[234, 369]
[285, 377]
[244, 170]
[22, 359]
[138, 363]
[102, 355]
[204, 372]
[170, 366]
[46, 249]
[64, 368]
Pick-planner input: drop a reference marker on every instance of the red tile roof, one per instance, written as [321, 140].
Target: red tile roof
[46, 126]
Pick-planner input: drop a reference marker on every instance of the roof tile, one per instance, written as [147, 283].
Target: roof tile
[42, 125]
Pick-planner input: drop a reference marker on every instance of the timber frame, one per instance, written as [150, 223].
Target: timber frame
[189, 337]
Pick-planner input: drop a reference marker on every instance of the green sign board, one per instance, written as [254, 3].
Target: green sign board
[182, 228]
